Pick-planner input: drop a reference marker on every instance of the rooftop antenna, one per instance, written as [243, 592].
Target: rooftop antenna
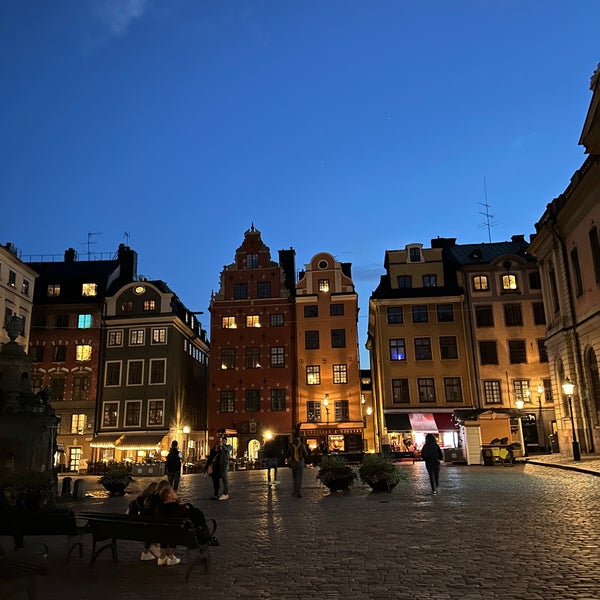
[488, 216]
[126, 235]
[90, 243]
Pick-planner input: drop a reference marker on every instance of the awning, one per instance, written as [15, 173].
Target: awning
[445, 421]
[397, 422]
[141, 441]
[105, 440]
[422, 422]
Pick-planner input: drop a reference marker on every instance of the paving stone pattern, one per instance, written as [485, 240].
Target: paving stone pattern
[524, 532]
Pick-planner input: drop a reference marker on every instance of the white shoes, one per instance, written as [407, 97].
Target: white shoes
[147, 555]
[224, 497]
[165, 560]
[162, 560]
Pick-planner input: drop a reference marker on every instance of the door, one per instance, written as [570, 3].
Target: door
[74, 458]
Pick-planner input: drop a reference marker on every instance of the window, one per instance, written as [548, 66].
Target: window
[36, 353]
[84, 321]
[313, 411]
[226, 401]
[149, 305]
[277, 358]
[36, 384]
[342, 411]
[484, 316]
[340, 374]
[127, 306]
[452, 389]
[488, 353]
[158, 371]
[394, 315]
[311, 311]
[12, 278]
[547, 384]
[336, 310]
[252, 400]
[512, 315]
[78, 423]
[229, 323]
[156, 412]
[311, 340]
[58, 387]
[398, 349]
[240, 291]
[61, 321]
[159, 335]
[338, 338]
[414, 254]
[492, 392]
[521, 390]
[113, 374]
[133, 413]
[445, 313]
[419, 314]
[252, 358]
[227, 358]
[426, 387]
[423, 348]
[313, 375]
[539, 315]
[89, 289]
[135, 372]
[110, 412]
[53, 290]
[252, 321]
[517, 352]
[404, 281]
[554, 290]
[277, 400]
[323, 285]
[59, 353]
[400, 393]
[535, 281]
[576, 272]
[448, 347]
[276, 320]
[81, 384]
[429, 280]
[136, 337]
[25, 287]
[480, 283]
[542, 351]
[595, 250]
[252, 261]
[40, 321]
[509, 282]
[115, 338]
[263, 289]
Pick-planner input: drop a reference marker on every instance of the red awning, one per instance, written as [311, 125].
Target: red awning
[445, 422]
[422, 422]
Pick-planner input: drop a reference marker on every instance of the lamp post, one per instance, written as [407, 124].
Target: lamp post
[568, 386]
[370, 414]
[364, 421]
[186, 430]
[540, 391]
[326, 405]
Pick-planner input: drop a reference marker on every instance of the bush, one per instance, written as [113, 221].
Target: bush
[376, 468]
[332, 468]
[30, 489]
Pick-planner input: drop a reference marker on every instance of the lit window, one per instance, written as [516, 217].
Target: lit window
[159, 335]
[227, 358]
[115, 338]
[89, 289]
[340, 374]
[313, 375]
[78, 422]
[397, 349]
[54, 290]
[480, 283]
[110, 412]
[25, 287]
[252, 321]
[509, 282]
[83, 352]
[229, 323]
[149, 305]
[156, 411]
[323, 285]
[136, 337]
[84, 321]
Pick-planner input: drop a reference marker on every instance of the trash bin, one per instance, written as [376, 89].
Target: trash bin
[553, 442]
[79, 489]
[66, 486]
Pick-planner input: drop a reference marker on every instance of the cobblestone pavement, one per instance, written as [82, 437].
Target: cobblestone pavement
[523, 532]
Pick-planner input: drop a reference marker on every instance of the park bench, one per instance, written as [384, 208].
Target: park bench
[17, 577]
[169, 531]
[21, 523]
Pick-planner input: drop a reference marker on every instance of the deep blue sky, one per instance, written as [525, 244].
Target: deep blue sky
[333, 125]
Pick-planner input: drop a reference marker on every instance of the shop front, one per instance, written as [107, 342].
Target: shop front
[334, 439]
[406, 431]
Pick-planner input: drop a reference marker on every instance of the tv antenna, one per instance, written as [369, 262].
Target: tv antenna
[90, 243]
[488, 216]
[126, 235]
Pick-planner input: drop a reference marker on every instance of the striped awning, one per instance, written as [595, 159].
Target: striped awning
[105, 440]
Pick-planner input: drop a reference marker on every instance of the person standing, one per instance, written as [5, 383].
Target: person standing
[297, 455]
[224, 456]
[272, 454]
[213, 469]
[173, 467]
[431, 453]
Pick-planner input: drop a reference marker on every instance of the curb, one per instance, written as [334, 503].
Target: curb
[559, 466]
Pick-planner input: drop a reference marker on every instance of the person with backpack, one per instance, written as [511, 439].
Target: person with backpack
[173, 466]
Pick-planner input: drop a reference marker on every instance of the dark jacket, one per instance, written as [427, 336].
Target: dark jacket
[173, 461]
[431, 453]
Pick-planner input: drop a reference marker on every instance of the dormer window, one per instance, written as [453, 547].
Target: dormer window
[414, 254]
[252, 261]
[509, 282]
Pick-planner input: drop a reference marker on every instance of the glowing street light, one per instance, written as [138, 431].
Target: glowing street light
[568, 387]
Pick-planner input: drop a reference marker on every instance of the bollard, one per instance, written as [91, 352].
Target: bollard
[66, 486]
[79, 489]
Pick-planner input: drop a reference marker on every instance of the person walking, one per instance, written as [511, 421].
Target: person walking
[173, 467]
[297, 455]
[213, 469]
[272, 454]
[431, 453]
[224, 456]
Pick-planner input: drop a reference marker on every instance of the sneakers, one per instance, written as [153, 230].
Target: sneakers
[173, 561]
[155, 549]
[434, 492]
[147, 555]
[161, 561]
[224, 497]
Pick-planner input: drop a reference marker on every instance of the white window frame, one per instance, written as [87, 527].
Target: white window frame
[155, 360]
[135, 333]
[127, 404]
[113, 362]
[129, 363]
[104, 404]
[162, 401]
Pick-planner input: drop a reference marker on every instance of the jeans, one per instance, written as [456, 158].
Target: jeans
[297, 473]
[225, 483]
[174, 477]
[434, 475]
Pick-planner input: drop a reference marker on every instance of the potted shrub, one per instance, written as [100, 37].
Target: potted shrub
[27, 490]
[336, 474]
[116, 479]
[380, 473]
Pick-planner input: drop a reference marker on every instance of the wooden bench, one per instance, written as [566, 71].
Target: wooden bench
[17, 577]
[20, 523]
[168, 531]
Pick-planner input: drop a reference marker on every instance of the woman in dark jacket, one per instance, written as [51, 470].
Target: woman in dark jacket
[213, 469]
[431, 453]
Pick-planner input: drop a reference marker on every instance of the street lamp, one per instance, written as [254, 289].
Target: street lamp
[568, 386]
[186, 430]
[540, 391]
[370, 413]
[326, 405]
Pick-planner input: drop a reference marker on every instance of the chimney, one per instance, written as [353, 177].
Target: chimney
[70, 255]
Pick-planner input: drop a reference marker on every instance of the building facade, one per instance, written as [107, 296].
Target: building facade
[567, 245]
